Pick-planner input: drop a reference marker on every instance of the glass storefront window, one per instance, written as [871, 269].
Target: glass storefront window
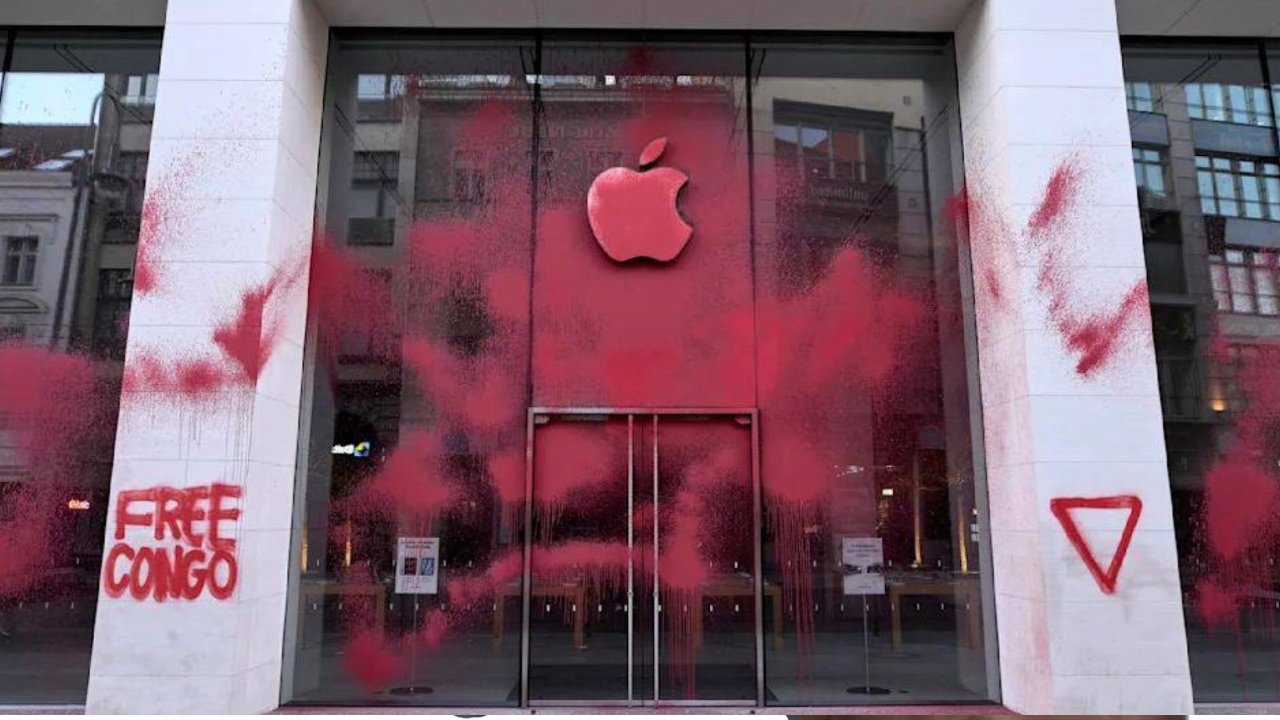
[552, 459]
[75, 127]
[856, 451]
[1215, 330]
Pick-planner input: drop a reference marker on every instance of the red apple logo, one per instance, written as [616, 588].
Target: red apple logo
[633, 213]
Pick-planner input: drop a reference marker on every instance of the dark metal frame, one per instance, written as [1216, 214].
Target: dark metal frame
[752, 416]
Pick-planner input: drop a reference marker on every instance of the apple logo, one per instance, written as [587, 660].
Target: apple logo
[633, 213]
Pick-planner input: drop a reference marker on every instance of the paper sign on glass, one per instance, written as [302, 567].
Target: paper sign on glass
[417, 565]
[862, 554]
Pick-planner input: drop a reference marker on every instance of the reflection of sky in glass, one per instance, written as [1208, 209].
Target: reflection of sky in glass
[49, 98]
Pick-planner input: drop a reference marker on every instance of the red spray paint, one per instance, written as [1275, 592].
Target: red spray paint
[192, 551]
[372, 660]
[245, 340]
[57, 413]
[1238, 526]
[1094, 338]
[1061, 509]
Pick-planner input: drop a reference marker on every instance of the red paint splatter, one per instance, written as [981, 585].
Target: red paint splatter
[27, 537]
[1238, 524]
[57, 415]
[573, 458]
[1094, 338]
[189, 380]
[981, 227]
[1240, 504]
[245, 340]
[1217, 606]
[372, 660]
[160, 221]
[151, 230]
[1061, 509]
[348, 295]
[411, 479]
[1060, 195]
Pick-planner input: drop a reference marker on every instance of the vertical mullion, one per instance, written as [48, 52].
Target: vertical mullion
[657, 605]
[528, 562]
[526, 596]
[631, 546]
[757, 551]
[6, 66]
[757, 535]
[1269, 92]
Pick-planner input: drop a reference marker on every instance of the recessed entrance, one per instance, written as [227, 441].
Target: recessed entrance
[642, 583]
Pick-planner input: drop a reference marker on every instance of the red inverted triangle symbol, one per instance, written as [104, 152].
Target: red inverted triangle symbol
[1061, 508]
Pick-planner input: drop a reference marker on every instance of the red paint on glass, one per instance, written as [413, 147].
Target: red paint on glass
[1240, 506]
[372, 660]
[57, 416]
[1217, 606]
[412, 478]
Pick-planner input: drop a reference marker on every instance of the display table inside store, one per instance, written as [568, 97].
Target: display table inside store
[962, 587]
[312, 588]
[722, 586]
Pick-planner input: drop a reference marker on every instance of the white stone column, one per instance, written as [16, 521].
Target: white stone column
[1041, 80]
[230, 195]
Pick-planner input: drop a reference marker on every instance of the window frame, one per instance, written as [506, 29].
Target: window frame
[28, 259]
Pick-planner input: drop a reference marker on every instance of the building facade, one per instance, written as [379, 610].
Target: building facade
[539, 353]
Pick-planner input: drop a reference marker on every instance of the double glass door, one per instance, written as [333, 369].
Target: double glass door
[642, 580]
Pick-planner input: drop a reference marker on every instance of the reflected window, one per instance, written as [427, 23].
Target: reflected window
[1244, 281]
[1240, 104]
[1141, 97]
[20, 254]
[374, 180]
[1149, 172]
[1237, 187]
[141, 89]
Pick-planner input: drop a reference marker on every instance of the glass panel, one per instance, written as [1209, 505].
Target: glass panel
[481, 260]
[1155, 179]
[584, 483]
[1241, 290]
[1261, 106]
[417, 428]
[1195, 101]
[1211, 446]
[837, 474]
[1214, 102]
[1224, 186]
[1264, 280]
[71, 191]
[615, 330]
[1238, 104]
[706, 560]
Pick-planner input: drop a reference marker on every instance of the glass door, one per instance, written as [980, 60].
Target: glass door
[643, 560]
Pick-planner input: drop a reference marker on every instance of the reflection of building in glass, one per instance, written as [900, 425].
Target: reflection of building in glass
[843, 167]
[75, 127]
[1207, 169]
[71, 213]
